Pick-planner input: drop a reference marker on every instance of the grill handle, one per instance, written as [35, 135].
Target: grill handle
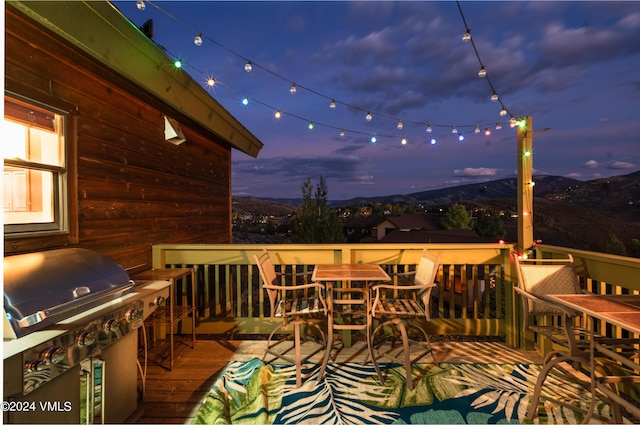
[81, 291]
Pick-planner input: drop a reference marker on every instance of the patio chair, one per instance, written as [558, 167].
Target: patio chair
[297, 305]
[571, 342]
[404, 307]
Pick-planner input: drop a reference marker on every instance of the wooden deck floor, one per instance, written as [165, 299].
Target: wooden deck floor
[174, 396]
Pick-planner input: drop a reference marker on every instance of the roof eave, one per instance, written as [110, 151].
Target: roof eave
[103, 32]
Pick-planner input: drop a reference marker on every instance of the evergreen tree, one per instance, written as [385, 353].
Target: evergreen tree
[457, 218]
[314, 222]
[489, 225]
[615, 246]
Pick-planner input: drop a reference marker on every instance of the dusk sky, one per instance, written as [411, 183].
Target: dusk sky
[574, 67]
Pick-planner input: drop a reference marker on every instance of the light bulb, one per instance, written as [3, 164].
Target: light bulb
[177, 63]
[248, 67]
[466, 37]
[140, 5]
[487, 132]
[482, 73]
[477, 130]
[404, 141]
[211, 82]
[245, 101]
[429, 129]
[332, 105]
[498, 126]
[368, 117]
[512, 122]
[503, 111]
[341, 133]
[198, 39]
[494, 97]
[454, 130]
[293, 89]
[310, 126]
[278, 114]
[400, 125]
[433, 141]
[461, 137]
[374, 139]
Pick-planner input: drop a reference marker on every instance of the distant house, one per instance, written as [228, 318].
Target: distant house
[435, 236]
[112, 148]
[406, 222]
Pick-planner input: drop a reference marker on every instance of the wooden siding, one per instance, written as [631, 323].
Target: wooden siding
[129, 188]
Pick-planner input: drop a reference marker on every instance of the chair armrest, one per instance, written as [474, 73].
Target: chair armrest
[403, 287]
[294, 287]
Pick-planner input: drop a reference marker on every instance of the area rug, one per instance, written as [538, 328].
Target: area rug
[254, 393]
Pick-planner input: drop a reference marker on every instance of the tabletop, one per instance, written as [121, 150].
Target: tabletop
[331, 272]
[619, 310]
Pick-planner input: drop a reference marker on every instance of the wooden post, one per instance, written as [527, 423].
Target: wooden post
[525, 183]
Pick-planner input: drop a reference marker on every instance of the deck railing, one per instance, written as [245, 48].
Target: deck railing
[474, 295]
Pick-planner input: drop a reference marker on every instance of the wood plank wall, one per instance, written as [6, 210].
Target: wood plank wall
[129, 188]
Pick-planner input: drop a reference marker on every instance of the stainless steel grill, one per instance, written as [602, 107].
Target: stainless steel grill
[65, 306]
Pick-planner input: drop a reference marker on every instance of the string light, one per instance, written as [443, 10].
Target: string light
[503, 111]
[433, 141]
[461, 137]
[374, 139]
[477, 129]
[498, 126]
[404, 141]
[177, 63]
[198, 40]
[245, 101]
[369, 116]
[454, 130]
[487, 132]
[278, 114]
[310, 126]
[467, 36]
[482, 73]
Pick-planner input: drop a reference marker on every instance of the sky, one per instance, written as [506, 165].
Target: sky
[573, 67]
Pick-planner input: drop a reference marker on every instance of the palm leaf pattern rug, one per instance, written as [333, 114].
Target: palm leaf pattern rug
[250, 392]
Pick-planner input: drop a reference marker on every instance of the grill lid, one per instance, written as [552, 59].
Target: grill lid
[42, 288]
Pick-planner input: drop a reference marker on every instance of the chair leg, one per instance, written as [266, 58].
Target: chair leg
[296, 331]
[277, 328]
[329, 346]
[551, 360]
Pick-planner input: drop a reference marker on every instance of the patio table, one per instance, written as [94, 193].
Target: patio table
[347, 274]
[622, 311]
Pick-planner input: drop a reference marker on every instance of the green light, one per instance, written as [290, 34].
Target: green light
[177, 63]
[522, 123]
[527, 153]
[310, 126]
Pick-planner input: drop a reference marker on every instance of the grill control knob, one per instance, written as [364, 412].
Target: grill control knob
[53, 355]
[35, 366]
[131, 315]
[158, 301]
[85, 338]
[111, 325]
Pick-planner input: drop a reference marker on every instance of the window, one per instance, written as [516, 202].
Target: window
[35, 173]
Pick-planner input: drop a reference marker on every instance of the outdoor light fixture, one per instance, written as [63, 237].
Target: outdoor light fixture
[211, 82]
[433, 141]
[310, 126]
[404, 140]
[341, 133]
[454, 130]
[482, 73]
[172, 132]
[461, 137]
[177, 63]
[198, 39]
[503, 111]
[494, 97]
[374, 139]
[487, 132]
[332, 105]
[293, 89]
[477, 130]
[368, 117]
[245, 101]
[498, 126]
[140, 5]
[429, 130]
[466, 37]
[400, 125]
[248, 67]
[278, 115]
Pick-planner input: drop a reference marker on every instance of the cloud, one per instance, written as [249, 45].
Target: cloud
[591, 164]
[476, 172]
[620, 165]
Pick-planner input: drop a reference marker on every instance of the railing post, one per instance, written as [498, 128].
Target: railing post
[525, 184]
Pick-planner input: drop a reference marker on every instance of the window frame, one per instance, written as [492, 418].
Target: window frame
[60, 174]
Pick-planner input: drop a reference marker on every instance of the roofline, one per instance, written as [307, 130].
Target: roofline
[123, 48]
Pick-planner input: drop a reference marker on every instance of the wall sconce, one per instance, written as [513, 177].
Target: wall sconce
[172, 132]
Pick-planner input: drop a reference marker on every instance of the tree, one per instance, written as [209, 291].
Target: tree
[489, 225]
[615, 246]
[314, 222]
[457, 217]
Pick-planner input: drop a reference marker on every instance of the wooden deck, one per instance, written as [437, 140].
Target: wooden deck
[174, 396]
